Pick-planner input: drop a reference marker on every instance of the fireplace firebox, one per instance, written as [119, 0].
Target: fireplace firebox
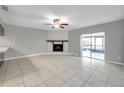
[57, 47]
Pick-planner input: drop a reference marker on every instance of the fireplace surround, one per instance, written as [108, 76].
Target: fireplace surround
[57, 45]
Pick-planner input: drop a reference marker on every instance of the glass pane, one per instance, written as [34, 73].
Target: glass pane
[86, 41]
[87, 51]
[103, 41]
[98, 52]
[99, 41]
[93, 40]
[99, 48]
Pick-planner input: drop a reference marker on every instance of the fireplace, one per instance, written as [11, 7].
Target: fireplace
[57, 47]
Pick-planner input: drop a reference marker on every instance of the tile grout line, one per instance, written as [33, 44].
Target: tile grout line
[107, 78]
[60, 78]
[71, 77]
[40, 76]
[4, 74]
[37, 74]
[42, 79]
[21, 73]
[55, 74]
[31, 79]
[62, 72]
[90, 77]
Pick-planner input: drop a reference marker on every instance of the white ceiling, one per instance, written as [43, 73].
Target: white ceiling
[34, 16]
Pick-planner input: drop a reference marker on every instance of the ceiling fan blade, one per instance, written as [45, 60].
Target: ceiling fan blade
[61, 26]
[65, 24]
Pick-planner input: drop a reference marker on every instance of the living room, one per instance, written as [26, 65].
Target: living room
[51, 46]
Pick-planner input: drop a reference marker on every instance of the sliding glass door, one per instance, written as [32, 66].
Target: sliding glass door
[93, 45]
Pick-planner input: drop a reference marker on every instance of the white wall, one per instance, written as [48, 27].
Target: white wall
[58, 35]
[25, 41]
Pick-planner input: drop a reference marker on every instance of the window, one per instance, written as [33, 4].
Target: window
[93, 45]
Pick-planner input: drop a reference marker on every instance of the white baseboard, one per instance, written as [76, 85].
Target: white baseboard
[52, 53]
[119, 63]
[22, 56]
[74, 54]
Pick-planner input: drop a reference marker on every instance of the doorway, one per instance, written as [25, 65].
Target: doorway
[93, 45]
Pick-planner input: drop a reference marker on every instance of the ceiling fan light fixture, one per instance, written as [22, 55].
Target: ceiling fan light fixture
[56, 25]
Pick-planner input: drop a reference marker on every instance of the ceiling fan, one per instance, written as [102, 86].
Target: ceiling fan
[57, 24]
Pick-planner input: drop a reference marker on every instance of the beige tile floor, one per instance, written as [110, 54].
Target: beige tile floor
[60, 71]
